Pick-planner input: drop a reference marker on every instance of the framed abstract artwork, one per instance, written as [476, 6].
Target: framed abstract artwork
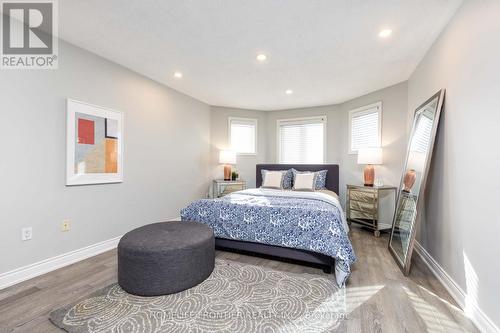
[94, 144]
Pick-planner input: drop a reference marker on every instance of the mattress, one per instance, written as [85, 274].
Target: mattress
[312, 221]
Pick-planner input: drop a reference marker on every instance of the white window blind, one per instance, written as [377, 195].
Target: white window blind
[365, 127]
[301, 140]
[242, 133]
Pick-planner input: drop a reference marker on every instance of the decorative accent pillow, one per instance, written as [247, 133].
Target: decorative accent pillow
[304, 181]
[273, 179]
[286, 182]
[320, 182]
[321, 179]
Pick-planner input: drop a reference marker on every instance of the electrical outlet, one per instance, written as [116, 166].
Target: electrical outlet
[26, 233]
[65, 225]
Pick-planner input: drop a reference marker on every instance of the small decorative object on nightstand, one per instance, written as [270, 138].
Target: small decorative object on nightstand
[224, 187]
[371, 206]
[369, 156]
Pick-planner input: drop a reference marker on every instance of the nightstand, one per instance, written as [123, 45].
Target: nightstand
[371, 206]
[224, 187]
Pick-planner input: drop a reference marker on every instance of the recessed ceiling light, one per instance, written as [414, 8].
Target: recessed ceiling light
[261, 57]
[384, 33]
[289, 91]
[178, 75]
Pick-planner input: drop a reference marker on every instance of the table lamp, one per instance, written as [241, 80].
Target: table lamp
[415, 165]
[227, 157]
[369, 157]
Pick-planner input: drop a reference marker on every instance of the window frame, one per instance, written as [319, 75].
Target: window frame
[254, 121]
[323, 119]
[361, 111]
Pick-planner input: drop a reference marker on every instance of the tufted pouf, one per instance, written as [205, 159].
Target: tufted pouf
[165, 258]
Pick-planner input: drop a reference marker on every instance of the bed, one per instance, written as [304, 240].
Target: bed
[306, 227]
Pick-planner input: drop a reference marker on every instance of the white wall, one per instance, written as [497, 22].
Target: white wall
[219, 138]
[394, 101]
[394, 105]
[461, 225]
[166, 156]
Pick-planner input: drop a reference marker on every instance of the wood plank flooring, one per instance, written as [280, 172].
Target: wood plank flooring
[378, 297]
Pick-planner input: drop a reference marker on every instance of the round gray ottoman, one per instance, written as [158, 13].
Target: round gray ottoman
[165, 258]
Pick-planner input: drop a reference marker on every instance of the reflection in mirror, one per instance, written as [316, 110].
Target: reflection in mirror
[419, 146]
[413, 179]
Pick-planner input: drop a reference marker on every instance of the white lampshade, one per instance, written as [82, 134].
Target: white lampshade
[370, 156]
[227, 157]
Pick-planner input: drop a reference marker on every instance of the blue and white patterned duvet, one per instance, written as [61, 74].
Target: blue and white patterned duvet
[312, 221]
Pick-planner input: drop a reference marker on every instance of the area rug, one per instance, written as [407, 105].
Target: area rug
[237, 297]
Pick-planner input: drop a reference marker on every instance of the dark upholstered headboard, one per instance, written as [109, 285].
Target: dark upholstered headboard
[332, 176]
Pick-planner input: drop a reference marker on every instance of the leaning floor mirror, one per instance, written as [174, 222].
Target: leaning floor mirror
[413, 179]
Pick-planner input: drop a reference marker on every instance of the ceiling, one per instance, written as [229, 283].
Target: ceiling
[326, 51]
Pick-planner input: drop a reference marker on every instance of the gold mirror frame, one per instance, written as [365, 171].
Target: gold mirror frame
[405, 263]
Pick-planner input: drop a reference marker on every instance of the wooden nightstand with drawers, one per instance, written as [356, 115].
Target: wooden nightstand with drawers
[371, 207]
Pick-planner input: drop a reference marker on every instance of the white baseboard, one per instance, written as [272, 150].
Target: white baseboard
[478, 317]
[454, 289]
[21, 274]
[30, 271]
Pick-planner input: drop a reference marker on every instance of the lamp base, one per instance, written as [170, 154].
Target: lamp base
[409, 180]
[369, 175]
[227, 172]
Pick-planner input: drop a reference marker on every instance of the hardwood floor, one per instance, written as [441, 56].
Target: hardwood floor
[378, 297]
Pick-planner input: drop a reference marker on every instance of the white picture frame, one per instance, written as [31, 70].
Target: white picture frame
[77, 173]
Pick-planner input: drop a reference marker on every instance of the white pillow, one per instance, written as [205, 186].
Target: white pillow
[304, 181]
[273, 179]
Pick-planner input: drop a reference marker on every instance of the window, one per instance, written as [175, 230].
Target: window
[302, 140]
[242, 135]
[365, 127]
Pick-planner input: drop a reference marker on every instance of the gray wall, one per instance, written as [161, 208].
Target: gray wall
[460, 227]
[394, 105]
[219, 138]
[166, 156]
